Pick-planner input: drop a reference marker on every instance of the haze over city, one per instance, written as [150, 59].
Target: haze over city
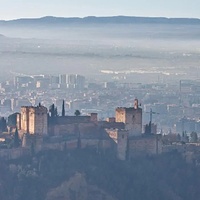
[97, 46]
[99, 100]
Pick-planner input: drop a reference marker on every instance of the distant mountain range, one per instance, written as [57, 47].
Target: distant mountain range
[102, 20]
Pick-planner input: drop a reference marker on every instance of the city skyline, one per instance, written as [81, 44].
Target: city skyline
[154, 8]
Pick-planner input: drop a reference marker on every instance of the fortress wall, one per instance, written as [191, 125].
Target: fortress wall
[145, 146]
[122, 144]
[74, 129]
[40, 122]
[89, 143]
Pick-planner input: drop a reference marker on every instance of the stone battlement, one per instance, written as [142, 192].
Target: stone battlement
[33, 109]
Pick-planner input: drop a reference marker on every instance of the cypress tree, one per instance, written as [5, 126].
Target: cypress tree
[79, 137]
[52, 110]
[3, 124]
[16, 139]
[56, 112]
[63, 109]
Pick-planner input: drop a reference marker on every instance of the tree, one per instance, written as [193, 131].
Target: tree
[56, 112]
[16, 139]
[178, 137]
[53, 113]
[184, 138]
[12, 120]
[77, 113]
[3, 124]
[52, 110]
[193, 137]
[63, 109]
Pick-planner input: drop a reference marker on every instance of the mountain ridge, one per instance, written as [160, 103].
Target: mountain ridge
[102, 20]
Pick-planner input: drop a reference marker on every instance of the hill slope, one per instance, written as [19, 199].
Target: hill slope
[87, 175]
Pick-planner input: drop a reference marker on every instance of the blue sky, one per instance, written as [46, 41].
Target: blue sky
[12, 9]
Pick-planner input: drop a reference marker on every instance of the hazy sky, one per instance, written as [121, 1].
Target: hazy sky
[11, 9]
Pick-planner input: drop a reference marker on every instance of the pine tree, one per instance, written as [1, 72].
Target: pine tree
[77, 113]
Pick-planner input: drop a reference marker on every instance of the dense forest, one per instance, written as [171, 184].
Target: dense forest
[166, 177]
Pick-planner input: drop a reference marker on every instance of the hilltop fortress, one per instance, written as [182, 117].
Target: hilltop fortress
[41, 130]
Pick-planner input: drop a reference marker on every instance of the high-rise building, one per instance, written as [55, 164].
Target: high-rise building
[54, 82]
[80, 81]
[63, 80]
[22, 81]
[71, 82]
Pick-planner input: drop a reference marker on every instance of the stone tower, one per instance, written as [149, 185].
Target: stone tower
[32, 124]
[131, 117]
[33, 120]
[120, 137]
[122, 144]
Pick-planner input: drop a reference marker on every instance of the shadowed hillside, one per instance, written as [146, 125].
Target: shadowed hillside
[87, 175]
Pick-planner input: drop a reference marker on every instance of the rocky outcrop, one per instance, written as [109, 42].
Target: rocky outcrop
[77, 188]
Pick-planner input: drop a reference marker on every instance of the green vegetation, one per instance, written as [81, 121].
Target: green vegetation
[12, 120]
[77, 113]
[16, 139]
[63, 108]
[166, 177]
[53, 114]
[3, 124]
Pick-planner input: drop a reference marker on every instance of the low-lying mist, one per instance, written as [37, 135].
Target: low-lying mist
[87, 49]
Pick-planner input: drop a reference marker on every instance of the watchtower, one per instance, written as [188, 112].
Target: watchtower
[131, 117]
[33, 120]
